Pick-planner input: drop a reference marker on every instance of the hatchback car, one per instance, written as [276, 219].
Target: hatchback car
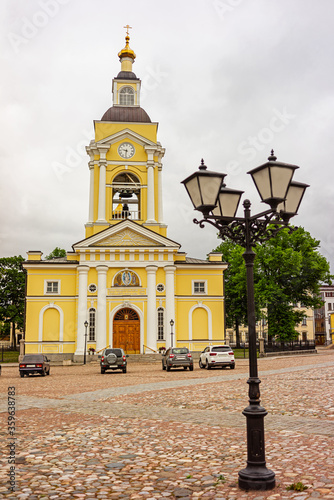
[217, 355]
[34, 363]
[177, 357]
[113, 359]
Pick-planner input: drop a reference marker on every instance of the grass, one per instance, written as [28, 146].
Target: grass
[9, 356]
[297, 487]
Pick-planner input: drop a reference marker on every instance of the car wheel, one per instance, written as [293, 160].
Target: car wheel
[124, 369]
[232, 367]
[43, 373]
[168, 368]
[102, 371]
[191, 368]
[21, 374]
[207, 366]
[201, 364]
[163, 366]
[48, 372]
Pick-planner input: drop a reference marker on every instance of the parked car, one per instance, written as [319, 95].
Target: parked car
[217, 355]
[177, 357]
[34, 363]
[113, 359]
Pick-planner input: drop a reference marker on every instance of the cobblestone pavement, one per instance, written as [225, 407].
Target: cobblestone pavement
[149, 434]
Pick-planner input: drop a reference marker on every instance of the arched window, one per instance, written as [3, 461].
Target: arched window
[127, 96]
[92, 322]
[126, 196]
[161, 332]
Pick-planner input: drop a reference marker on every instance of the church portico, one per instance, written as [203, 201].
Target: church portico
[126, 278]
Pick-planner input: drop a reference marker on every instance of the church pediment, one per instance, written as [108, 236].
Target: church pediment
[126, 238]
[126, 134]
[127, 234]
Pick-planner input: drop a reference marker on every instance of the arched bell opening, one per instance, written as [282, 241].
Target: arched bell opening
[126, 197]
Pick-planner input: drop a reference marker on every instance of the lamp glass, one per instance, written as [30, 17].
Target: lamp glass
[293, 198]
[228, 202]
[272, 180]
[203, 188]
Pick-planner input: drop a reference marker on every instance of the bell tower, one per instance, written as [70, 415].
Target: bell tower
[125, 158]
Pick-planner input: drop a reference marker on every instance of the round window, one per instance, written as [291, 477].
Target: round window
[92, 288]
[160, 287]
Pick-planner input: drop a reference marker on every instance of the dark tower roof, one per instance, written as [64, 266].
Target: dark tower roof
[126, 114]
[126, 75]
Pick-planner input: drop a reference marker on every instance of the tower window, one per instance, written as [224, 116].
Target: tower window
[126, 96]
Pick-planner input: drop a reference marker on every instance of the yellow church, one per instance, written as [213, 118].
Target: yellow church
[126, 284]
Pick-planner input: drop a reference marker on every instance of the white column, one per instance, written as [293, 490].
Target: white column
[170, 303]
[91, 192]
[102, 191]
[82, 308]
[150, 192]
[160, 205]
[151, 334]
[101, 323]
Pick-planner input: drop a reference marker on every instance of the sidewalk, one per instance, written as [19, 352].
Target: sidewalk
[155, 435]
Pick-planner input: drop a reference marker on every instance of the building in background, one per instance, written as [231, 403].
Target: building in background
[323, 316]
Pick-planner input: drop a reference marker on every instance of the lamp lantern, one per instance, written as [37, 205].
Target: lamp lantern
[272, 180]
[203, 188]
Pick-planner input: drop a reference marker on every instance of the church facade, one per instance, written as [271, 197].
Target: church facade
[126, 284]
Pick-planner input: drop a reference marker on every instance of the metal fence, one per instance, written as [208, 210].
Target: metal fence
[297, 345]
[5, 348]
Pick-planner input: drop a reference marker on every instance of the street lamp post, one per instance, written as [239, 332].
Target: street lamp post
[171, 332]
[219, 206]
[86, 326]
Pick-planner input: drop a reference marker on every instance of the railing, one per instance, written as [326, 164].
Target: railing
[126, 214]
[297, 345]
[150, 348]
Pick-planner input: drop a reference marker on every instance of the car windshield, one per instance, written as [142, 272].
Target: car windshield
[118, 352]
[180, 350]
[221, 348]
[33, 358]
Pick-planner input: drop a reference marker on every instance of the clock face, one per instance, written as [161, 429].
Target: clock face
[126, 150]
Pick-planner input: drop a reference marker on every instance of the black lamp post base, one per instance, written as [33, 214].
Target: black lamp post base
[256, 478]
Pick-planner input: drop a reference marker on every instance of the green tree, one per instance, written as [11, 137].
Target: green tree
[57, 252]
[235, 286]
[12, 293]
[288, 269]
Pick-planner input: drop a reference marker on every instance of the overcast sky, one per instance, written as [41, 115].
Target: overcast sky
[227, 80]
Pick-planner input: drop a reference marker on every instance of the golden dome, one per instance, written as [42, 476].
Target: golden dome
[127, 52]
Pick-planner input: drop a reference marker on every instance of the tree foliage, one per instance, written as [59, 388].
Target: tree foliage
[288, 269]
[12, 292]
[57, 252]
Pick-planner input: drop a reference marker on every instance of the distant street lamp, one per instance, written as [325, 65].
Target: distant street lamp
[219, 206]
[86, 326]
[171, 332]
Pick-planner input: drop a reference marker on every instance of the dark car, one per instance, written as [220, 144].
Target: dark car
[177, 357]
[34, 363]
[113, 359]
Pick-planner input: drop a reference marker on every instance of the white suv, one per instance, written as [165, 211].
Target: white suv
[217, 355]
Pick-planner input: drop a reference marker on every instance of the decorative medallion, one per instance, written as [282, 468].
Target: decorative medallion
[126, 278]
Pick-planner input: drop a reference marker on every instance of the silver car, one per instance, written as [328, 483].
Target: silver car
[177, 357]
[217, 356]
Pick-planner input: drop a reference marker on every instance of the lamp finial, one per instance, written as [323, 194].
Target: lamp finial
[272, 157]
[202, 165]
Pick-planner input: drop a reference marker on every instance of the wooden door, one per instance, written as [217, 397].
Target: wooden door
[126, 332]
